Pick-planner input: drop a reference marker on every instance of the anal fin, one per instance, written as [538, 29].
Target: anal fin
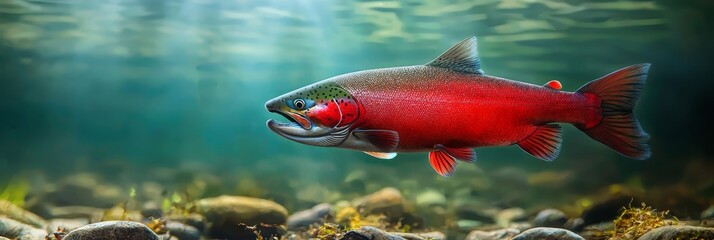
[442, 163]
[382, 155]
[544, 142]
[385, 140]
[464, 154]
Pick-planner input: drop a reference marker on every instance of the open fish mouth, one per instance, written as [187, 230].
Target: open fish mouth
[291, 121]
[296, 131]
[295, 120]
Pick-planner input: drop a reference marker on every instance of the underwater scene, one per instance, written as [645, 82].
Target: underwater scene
[350, 119]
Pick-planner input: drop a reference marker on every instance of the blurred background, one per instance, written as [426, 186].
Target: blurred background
[171, 94]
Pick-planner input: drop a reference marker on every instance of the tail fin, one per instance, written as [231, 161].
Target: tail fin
[619, 129]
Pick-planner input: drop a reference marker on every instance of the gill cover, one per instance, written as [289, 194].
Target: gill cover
[334, 107]
[321, 114]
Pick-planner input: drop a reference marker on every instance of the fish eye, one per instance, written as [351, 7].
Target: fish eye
[299, 103]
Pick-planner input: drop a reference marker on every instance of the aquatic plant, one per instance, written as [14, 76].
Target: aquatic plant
[352, 219]
[132, 196]
[632, 223]
[328, 231]
[175, 204]
[158, 226]
[345, 214]
[258, 232]
[15, 192]
[58, 234]
[123, 207]
[635, 222]
[405, 228]
[110, 214]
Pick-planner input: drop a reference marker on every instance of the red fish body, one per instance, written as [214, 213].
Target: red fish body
[448, 107]
[429, 106]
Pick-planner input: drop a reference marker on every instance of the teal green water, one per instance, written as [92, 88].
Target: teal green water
[126, 89]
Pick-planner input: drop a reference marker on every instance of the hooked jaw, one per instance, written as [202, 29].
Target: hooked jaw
[296, 127]
[295, 120]
[301, 130]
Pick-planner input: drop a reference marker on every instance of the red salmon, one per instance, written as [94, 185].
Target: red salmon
[449, 106]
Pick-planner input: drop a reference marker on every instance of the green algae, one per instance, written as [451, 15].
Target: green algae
[15, 192]
[175, 204]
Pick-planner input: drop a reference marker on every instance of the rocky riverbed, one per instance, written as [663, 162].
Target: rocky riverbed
[82, 207]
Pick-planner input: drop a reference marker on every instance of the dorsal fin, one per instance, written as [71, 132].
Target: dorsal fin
[462, 57]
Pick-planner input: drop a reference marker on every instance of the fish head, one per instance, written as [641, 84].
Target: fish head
[320, 114]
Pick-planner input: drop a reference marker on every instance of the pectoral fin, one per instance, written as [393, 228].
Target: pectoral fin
[442, 163]
[382, 155]
[385, 140]
[544, 142]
